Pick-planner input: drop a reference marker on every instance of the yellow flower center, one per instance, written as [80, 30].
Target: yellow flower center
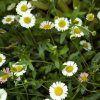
[75, 22]
[18, 68]
[0, 59]
[85, 45]
[69, 68]
[27, 20]
[47, 27]
[58, 91]
[84, 78]
[90, 17]
[62, 23]
[77, 30]
[8, 19]
[24, 8]
[5, 76]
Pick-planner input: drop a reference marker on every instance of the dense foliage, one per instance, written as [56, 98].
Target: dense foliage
[43, 51]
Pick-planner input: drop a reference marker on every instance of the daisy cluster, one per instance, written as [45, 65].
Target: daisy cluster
[24, 16]
[15, 71]
[28, 20]
[58, 90]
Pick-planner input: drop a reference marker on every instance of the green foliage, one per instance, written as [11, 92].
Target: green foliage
[44, 51]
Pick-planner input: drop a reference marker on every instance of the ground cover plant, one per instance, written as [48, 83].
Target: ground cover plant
[49, 49]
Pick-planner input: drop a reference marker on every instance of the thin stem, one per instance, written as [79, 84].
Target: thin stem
[76, 92]
[40, 61]
[45, 87]
[93, 83]
[25, 90]
[32, 36]
[52, 39]
[86, 88]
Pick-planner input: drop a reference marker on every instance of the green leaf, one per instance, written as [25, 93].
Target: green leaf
[55, 59]
[64, 50]
[96, 58]
[64, 7]
[48, 69]
[40, 5]
[75, 14]
[74, 56]
[76, 3]
[62, 37]
[38, 84]
[41, 52]
[88, 55]
[2, 6]
[95, 96]
[31, 67]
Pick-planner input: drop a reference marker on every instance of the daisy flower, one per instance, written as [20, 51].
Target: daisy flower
[8, 19]
[5, 76]
[61, 24]
[23, 7]
[90, 17]
[27, 20]
[46, 25]
[70, 68]
[98, 15]
[76, 32]
[2, 59]
[3, 94]
[18, 69]
[76, 21]
[83, 77]
[58, 91]
[86, 45]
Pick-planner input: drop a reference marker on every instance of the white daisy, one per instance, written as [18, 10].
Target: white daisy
[86, 45]
[2, 59]
[76, 32]
[23, 7]
[18, 69]
[76, 21]
[58, 91]
[46, 25]
[3, 94]
[98, 15]
[70, 68]
[61, 24]
[27, 20]
[8, 19]
[5, 76]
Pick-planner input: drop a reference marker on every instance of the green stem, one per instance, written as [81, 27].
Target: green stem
[32, 36]
[25, 90]
[85, 63]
